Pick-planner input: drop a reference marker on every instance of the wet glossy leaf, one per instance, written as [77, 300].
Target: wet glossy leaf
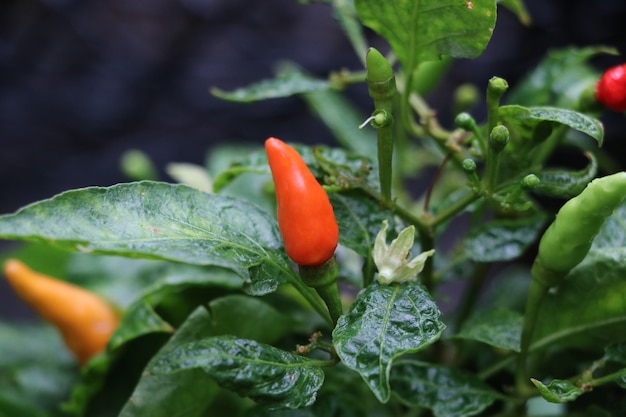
[566, 184]
[448, 392]
[529, 117]
[159, 221]
[500, 328]
[268, 375]
[588, 307]
[430, 28]
[558, 391]
[384, 323]
[503, 240]
[360, 219]
[188, 393]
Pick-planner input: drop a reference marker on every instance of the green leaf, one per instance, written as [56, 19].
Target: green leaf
[499, 327]
[159, 221]
[190, 392]
[517, 7]
[138, 320]
[557, 391]
[566, 184]
[503, 240]
[588, 308]
[289, 81]
[448, 392]
[36, 370]
[559, 79]
[424, 30]
[616, 352]
[359, 219]
[529, 117]
[186, 394]
[384, 323]
[268, 375]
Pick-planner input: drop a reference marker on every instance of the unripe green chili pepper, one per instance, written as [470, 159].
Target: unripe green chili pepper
[563, 246]
[305, 216]
[569, 237]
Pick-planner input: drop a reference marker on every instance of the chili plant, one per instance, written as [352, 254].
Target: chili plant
[313, 281]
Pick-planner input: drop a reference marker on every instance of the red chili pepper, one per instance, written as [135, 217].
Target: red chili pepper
[611, 88]
[305, 216]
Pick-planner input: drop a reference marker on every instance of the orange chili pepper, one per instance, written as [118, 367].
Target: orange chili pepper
[305, 216]
[85, 320]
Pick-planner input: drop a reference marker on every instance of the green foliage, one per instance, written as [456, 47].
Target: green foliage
[216, 321]
[430, 28]
[375, 330]
[448, 392]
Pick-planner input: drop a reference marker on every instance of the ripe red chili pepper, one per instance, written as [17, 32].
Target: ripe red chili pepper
[611, 88]
[305, 216]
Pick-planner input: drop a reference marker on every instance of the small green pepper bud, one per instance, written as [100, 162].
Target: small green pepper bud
[465, 121]
[469, 166]
[137, 166]
[381, 82]
[530, 182]
[497, 87]
[465, 97]
[498, 138]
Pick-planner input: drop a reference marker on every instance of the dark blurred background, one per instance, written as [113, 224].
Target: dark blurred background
[83, 81]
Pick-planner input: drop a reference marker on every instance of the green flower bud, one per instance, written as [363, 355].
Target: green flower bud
[497, 87]
[469, 166]
[465, 121]
[530, 182]
[498, 138]
[136, 166]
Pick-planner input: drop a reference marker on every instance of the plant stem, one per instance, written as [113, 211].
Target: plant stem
[313, 299]
[324, 279]
[427, 242]
[608, 378]
[536, 294]
[472, 292]
[453, 209]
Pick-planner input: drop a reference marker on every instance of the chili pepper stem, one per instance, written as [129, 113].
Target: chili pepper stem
[536, 293]
[324, 279]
